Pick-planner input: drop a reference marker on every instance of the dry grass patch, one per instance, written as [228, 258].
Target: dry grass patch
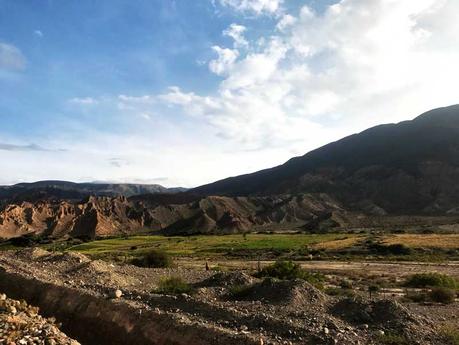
[337, 244]
[450, 241]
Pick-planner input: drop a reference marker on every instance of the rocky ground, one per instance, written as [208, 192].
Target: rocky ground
[20, 324]
[275, 312]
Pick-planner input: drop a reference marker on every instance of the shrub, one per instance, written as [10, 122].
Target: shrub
[288, 270]
[417, 297]
[340, 292]
[423, 280]
[442, 295]
[449, 335]
[392, 339]
[345, 284]
[372, 289]
[153, 259]
[173, 286]
[392, 249]
[240, 291]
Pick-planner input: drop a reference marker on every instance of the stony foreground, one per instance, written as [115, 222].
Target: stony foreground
[267, 312]
[20, 324]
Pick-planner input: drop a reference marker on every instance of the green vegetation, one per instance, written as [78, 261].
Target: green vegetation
[392, 339]
[442, 295]
[450, 335]
[340, 292]
[288, 270]
[154, 259]
[202, 246]
[173, 286]
[240, 291]
[425, 280]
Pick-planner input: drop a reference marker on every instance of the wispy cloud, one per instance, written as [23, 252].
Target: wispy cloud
[38, 33]
[11, 58]
[29, 147]
[84, 101]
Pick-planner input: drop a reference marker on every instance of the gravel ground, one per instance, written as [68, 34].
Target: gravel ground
[291, 312]
[20, 324]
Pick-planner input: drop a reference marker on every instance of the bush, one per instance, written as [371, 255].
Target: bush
[417, 297]
[392, 339]
[288, 270]
[240, 291]
[442, 295]
[173, 286]
[153, 259]
[340, 292]
[449, 335]
[392, 249]
[424, 280]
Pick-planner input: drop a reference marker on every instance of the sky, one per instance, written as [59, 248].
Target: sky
[183, 93]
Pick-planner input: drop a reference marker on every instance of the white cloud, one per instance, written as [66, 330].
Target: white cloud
[225, 60]
[254, 6]
[38, 33]
[11, 58]
[84, 101]
[236, 32]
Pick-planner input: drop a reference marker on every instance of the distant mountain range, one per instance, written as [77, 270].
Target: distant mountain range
[77, 191]
[409, 167]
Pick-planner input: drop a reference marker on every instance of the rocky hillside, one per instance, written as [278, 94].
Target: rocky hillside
[104, 216]
[409, 167]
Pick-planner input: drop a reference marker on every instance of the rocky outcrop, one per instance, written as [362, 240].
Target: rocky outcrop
[104, 216]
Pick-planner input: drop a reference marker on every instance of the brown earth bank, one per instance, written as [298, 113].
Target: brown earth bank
[105, 303]
[179, 214]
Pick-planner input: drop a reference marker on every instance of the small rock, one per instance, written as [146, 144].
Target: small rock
[326, 330]
[118, 293]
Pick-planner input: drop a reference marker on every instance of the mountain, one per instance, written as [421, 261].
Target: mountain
[174, 214]
[63, 190]
[409, 167]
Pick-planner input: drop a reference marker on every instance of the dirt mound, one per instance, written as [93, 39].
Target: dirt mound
[69, 258]
[383, 314]
[228, 279]
[296, 293]
[33, 254]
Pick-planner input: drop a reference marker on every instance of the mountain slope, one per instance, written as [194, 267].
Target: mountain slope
[409, 167]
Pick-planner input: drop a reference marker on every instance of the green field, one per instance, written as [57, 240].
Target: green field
[210, 245]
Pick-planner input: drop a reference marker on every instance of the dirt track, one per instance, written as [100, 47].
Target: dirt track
[370, 267]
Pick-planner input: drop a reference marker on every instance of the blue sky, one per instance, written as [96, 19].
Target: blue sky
[187, 92]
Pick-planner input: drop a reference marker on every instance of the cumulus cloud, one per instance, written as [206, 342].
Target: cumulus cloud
[254, 6]
[359, 63]
[11, 58]
[236, 32]
[225, 60]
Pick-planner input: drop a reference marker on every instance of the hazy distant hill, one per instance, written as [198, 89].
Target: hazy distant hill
[412, 166]
[70, 190]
